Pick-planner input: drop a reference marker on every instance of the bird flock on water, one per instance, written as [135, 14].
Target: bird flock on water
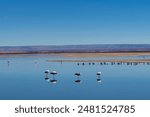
[78, 74]
[114, 63]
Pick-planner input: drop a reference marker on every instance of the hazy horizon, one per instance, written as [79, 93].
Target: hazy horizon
[68, 45]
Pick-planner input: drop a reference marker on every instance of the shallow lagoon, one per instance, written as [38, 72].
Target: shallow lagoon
[24, 78]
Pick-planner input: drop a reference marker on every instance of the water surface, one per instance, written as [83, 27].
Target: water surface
[23, 77]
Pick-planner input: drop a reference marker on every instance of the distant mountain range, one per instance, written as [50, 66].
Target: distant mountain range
[75, 48]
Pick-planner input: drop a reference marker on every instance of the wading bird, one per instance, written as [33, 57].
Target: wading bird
[46, 72]
[98, 74]
[78, 75]
[53, 80]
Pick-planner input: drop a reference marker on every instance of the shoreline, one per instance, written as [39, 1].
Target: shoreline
[102, 54]
[78, 57]
[118, 53]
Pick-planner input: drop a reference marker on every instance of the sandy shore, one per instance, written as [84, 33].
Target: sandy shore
[91, 55]
[75, 57]
[84, 55]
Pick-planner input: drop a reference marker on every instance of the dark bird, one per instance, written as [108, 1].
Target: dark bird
[78, 75]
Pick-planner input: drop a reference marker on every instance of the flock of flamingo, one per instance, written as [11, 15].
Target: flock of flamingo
[78, 74]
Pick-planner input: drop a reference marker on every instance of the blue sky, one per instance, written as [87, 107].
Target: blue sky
[59, 22]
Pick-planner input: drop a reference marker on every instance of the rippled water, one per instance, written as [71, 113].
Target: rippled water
[23, 77]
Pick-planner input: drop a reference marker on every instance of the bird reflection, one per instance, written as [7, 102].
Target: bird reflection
[8, 63]
[35, 62]
[53, 80]
[46, 78]
[99, 77]
[78, 75]
[46, 75]
[99, 80]
[77, 81]
[53, 73]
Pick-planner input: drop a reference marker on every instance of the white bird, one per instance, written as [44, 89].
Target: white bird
[98, 73]
[53, 72]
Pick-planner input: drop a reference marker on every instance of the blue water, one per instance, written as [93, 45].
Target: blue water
[23, 78]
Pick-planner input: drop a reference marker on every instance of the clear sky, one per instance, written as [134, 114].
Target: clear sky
[59, 22]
